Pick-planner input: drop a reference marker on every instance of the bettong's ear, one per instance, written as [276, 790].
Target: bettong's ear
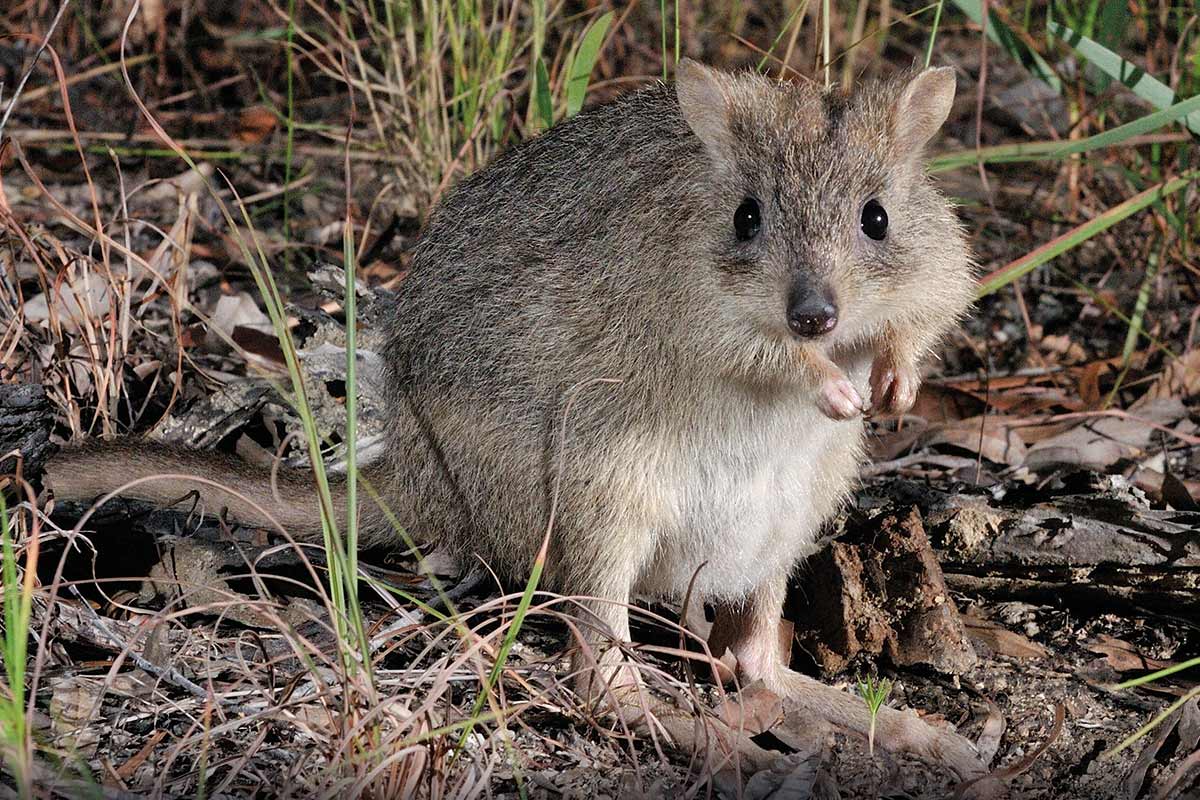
[921, 109]
[703, 95]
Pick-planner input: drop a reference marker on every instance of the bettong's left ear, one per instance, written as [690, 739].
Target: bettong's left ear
[922, 108]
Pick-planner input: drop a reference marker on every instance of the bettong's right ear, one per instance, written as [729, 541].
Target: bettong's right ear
[703, 95]
[922, 108]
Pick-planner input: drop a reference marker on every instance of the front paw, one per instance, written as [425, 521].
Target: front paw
[893, 386]
[838, 399]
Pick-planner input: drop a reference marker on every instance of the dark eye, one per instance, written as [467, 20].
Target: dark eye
[874, 220]
[747, 220]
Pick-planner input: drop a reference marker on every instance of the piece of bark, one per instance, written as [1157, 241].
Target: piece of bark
[878, 590]
[215, 415]
[25, 421]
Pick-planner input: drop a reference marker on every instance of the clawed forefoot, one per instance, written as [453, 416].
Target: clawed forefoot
[893, 386]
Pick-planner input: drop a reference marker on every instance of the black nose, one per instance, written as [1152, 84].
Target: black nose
[811, 312]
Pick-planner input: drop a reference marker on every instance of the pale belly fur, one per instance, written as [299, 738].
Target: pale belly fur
[748, 503]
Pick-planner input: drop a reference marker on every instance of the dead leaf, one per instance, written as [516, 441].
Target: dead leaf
[75, 701]
[1123, 656]
[755, 709]
[989, 437]
[126, 770]
[255, 125]
[263, 345]
[1032, 434]
[239, 318]
[1166, 784]
[1189, 725]
[1136, 777]
[151, 17]
[938, 403]
[195, 571]
[1178, 494]
[71, 303]
[988, 743]
[193, 336]
[239, 310]
[796, 776]
[1101, 441]
[1089, 383]
[1180, 379]
[1000, 640]
[888, 445]
[1031, 400]
[793, 781]
[184, 184]
[1068, 350]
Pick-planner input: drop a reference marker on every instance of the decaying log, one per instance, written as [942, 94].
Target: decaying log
[877, 590]
[1089, 538]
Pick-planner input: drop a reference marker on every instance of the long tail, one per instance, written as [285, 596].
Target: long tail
[163, 474]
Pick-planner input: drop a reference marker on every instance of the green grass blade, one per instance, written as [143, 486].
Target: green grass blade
[1160, 674]
[1152, 724]
[14, 635]
[676, 32]
[1138, 317]
[18, 606]
[797, 13]
[350, 305]
[1002, 35]
[510, 638]
[1140, 82]
[1039, 151]
[584, 62]
[1139, 127]
[545, 104]
[997, 154]
[662, 18]
[1072, 238]
[1009, 154]
[937, 22]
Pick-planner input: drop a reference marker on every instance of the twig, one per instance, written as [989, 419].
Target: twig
[1111, 412]
[169, 674]
[12, 104]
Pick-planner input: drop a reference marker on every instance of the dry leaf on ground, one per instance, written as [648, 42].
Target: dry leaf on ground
[990, 437]
[1123, 656]
[1103, 440]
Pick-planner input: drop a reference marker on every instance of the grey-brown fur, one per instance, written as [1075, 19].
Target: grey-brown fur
[603, 251]
[581, 331]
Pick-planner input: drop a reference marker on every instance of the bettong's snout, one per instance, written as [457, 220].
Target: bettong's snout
[811, 308]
